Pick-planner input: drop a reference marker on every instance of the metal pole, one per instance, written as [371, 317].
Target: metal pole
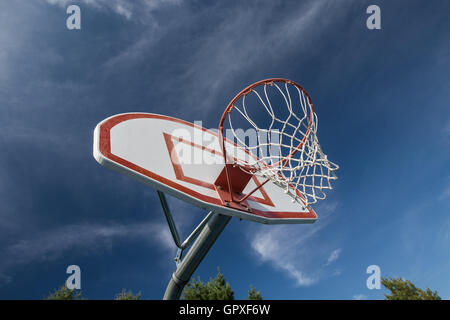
[172, 227]
[198, 251]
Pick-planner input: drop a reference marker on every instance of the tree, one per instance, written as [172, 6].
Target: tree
[405, 290]
[253, 294]
[127, 295]
[215, 289]
[63, 293]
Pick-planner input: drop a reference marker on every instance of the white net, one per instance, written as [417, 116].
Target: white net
[282, 142]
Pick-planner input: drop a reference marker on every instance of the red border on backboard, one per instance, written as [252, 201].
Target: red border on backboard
[181, 176]
[105, 150]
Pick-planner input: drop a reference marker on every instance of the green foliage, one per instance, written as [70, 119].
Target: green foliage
[215, 289]
[63, 293]
[405, 290]
[253, 294]
[127, 295]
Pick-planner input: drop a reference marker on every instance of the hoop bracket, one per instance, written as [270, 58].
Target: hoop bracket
[229, 186]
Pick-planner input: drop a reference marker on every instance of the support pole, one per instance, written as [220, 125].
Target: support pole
[172, 227]
[197, 252]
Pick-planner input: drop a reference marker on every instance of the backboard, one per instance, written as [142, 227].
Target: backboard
[184, 160]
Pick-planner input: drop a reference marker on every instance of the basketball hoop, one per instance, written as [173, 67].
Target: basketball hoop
[294, 161]
[268, 140]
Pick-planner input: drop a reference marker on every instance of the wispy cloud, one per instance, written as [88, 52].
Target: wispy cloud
[243, 47]
[333, 256]
[445, 133]
[52, 244]
[446, 129]
[359, 297]
[294, 249]
[233, 51]
[123, 8]
[445, 194]
[270, 245]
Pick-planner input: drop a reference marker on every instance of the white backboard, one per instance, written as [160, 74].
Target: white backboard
[183, 160]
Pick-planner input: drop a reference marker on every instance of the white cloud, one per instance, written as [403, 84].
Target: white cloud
[52, 244]
[124, 8]
[270, 245]
[5, 279]
[446, 128]
[359, 297]
[295, 250]
[445, 194]
[333, 256]
[231, 51]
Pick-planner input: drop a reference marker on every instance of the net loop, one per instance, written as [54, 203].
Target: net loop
[286, 149]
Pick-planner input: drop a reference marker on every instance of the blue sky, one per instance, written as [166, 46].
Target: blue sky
[382, 98]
